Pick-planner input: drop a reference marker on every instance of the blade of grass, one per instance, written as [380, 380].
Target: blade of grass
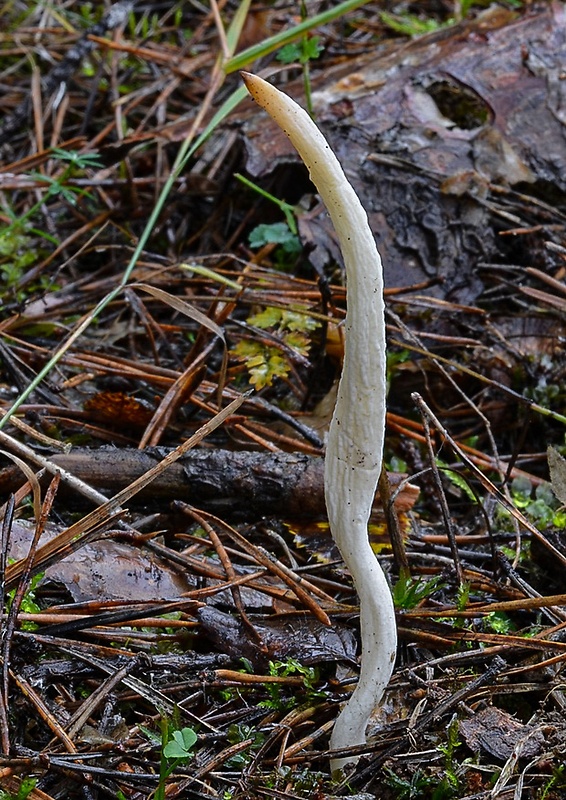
[245, 58]
[235, 29]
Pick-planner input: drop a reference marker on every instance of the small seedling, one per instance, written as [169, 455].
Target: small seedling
[408, 592]
[16, 253]
[456, 479]
[417, 787]
[463, 596]
[179, 746]
[76, 162]
[304, 51]
[284, 669]
[239, 733]
[287, 209]
[308, 49]
[556, 782]
[540, 505]
[28, 604]
[498, 622]
[176, 749]
[433, 783]
[282, 234]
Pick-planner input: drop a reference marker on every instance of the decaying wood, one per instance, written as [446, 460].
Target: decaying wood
[316, 643]
[226, 482]
[442, 141]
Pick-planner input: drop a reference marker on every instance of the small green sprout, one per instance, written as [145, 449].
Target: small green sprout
[408, 592]
[278, 233]
[17, 249]
[287, 209]
[463, 596]
[29, 603]
[176, 748]
[282, 234]
[180, 745]
[434, 783]
[410, 24]
[307, 49]
[239, 732]
[456, 480]
[539, 504]
[284, 669]
[498, 622]
[304, 51]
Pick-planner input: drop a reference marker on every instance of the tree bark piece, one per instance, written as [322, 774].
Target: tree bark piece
[433, 135]
[228, 483]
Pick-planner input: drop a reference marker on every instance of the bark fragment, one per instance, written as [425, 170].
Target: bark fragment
[435, 134]
[228, 483]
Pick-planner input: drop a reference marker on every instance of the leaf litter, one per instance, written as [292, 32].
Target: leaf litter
[215, 618]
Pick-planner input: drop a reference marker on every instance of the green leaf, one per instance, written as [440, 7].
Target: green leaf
[270, 317]
[79, 160]
[456, 479]
[26, 787]
[181, 744]
[311, 48]
[294, 321]
[408, 592]
[174, 750]
[306, 50]
[265, 370]
[263, 363]
[498, 622]
[409, 24]
[298, 341]
[289, 53]
[245, 350]
[13, 242]
[275, 233]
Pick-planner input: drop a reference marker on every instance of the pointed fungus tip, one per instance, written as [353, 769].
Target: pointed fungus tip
[253, 83]
[247, 77]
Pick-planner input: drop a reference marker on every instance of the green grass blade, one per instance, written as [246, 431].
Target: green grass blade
[235, 28]
[245, 58]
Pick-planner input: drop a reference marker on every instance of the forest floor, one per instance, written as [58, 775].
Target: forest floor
[176, 619]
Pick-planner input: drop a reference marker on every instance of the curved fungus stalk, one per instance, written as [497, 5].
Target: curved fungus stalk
[354, 451]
